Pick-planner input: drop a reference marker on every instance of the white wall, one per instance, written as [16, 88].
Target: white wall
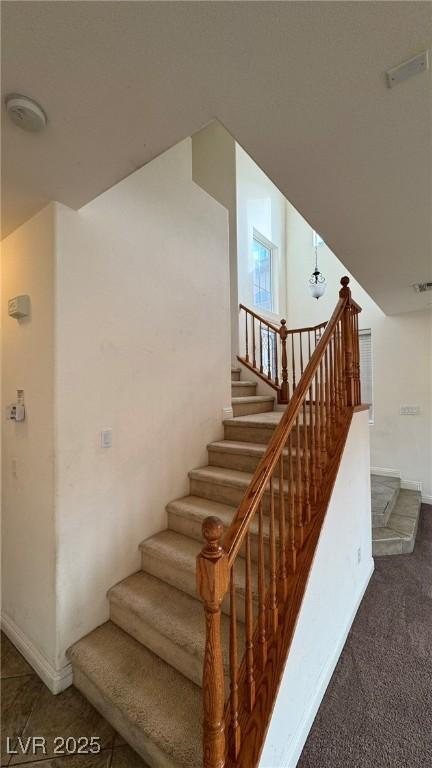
[142, 342]
[214, 169]
[260, 205]
[336, 584]
[129, 330]
[28, 536]
[401, 347]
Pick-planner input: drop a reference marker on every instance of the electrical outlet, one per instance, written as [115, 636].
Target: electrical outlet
[409, 410]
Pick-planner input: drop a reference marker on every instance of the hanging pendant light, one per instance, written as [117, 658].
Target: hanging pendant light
[317, 281]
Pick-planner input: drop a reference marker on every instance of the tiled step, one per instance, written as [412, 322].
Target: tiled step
[384, 492]
[171, 557]
[157, 710]
[170, 623]
[244, 406]
[243, 388]
[187, 515]
[398, 536]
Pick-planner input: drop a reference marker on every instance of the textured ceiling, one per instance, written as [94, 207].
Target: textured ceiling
[301, 87]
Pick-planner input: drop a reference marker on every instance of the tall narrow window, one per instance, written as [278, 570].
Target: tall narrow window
[262, 273]
[365, 340]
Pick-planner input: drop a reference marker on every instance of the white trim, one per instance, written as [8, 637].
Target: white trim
[426, 499]
[306, 725]
[385, 472]
[56, 680]
[227, 413]
[411, 485]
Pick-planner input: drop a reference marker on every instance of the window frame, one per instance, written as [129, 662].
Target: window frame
[273, 249]
[368, 332]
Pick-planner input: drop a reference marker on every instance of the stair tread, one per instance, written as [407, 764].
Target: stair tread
[243, 383]
[156, 700]
[252, 399]
[225, 476]
[268, 419]
[236, 446]
[403, 521]
[182, 551]
[197, 507]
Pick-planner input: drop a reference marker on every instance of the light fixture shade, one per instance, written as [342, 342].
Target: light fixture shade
[317, 289]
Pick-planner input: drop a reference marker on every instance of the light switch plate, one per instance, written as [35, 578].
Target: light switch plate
[106, 438]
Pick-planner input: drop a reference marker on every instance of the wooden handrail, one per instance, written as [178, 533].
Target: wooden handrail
[291, 486]
[233, 537]
[259, 317]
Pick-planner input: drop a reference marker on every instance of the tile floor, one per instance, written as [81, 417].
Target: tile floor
[28, 709]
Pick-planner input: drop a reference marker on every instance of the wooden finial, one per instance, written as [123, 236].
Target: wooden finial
[212, 530]
[345, 292]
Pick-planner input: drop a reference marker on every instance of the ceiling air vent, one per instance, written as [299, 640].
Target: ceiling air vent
[422, 287]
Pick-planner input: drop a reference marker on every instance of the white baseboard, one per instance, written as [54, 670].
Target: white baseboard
[227, 413]
[310, 715]
[426, 499]
[408, 485]
[56, 680]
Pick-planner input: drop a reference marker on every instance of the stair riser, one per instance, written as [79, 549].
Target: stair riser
[242, 462]
[243, 434]
[189, 665]
[192, 527]
[235, 375]
[149, 751]
[243, 390]
[246, 409]
[226, 494]
[183, 579]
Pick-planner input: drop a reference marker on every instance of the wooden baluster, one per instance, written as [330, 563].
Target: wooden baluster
[293, 361]
[246, 337]
[299, 484]
[268, 354]
[309, 346]
[301, 353]
[357, 359]
[329, 441]
[276, 378]
[283, 580]
[283, 333]
[261, 349]
[306, 473]
[323, 416]
[253, 342]
[273, 576]
[345, 293]
[338, 381]
[332, 390]
[234, 703]
[343, 392]
[314, 486]
[262, 630]
[212, 584]
[250, 672]
[317, 422]
[292, 552]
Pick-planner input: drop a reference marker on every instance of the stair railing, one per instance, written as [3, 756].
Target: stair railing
[277, 355]
[256, 571]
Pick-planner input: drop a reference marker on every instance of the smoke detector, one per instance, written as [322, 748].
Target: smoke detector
[422, 287]
[25, 113]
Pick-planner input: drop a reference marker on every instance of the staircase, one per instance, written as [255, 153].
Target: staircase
[188, 666]
[143, 669]
[395, 516]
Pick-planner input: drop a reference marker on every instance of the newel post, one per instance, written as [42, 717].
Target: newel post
[347, 341]
[283, 333]
[212, 584]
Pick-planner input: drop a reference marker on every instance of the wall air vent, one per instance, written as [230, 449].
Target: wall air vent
[422, 287]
